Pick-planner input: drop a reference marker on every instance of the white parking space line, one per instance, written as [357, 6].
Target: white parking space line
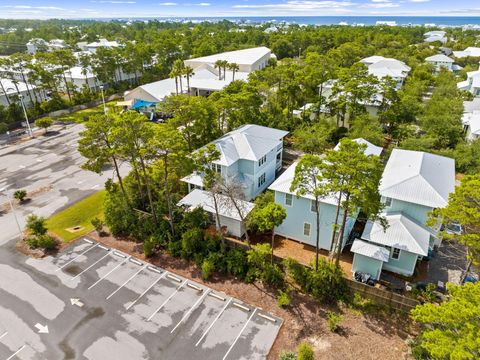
[107, 274]
[125, 283]
[95, 263]
[151, 286]
[15, 353]
[167, 300]
[3, 335]
[240, 334]
[214, 321]
[187, 314]
[76, 257]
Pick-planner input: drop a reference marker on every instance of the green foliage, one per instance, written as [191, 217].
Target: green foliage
[261, 267]
[208, 266]
[20, 195]
[236, 262]
[45, 242]
[98, 224]
[325, 284]
[287, 355]
[450, 330]
[427, 294]
[149, 246]
[192, 242]
[283, 299]
[467, 157]
[314, 138]
[36, 225]
[305, 352]
[333, 320]
[44, 123]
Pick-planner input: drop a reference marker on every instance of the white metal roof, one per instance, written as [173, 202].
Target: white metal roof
[371, 250]
[469, 51]
[76, 72]
[240, 57]
[389, 67]
[11, 89]
[472, 119]
[204, 199]
[249, 142]
[439, 58]
[370, 150]
[284, 181]
[402, 233]
[194, 178]
[418, 177]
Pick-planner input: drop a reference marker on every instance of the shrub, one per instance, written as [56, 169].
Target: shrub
[97, 224]
[44, 123]
[45, 242]
[287, 355]
[20, 195]
[208, 267]
[305, 352]
[149, 247]
[272, 275]
[197, 218]
[333, 320]
[236, 263]
[175, 248]
[283, 299]
[296, 271]
[36, 225]
[192, 242]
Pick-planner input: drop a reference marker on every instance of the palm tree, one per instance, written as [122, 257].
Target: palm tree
[233, 67]
[178, 70]
[188, 72]
[225, 66]
[2, 61]
[219, 65]
[85, 64]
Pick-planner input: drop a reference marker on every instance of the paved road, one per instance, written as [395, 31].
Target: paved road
[50, 167]
[94, 303]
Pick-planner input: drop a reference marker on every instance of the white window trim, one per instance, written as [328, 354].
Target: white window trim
[391, 253]
[291, 203]
[309, 229]
[312, 206]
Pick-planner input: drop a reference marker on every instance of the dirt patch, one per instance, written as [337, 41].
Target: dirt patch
[74, 229]
[361, 336]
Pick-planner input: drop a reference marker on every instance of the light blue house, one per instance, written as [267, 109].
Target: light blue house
[249, 156]
[413, 183]
[300, 222]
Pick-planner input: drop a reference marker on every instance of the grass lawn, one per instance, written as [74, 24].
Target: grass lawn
[82, 115]
[79, 214]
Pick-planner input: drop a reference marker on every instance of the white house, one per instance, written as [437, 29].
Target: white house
[227, 211]
[80, 78]
[250, 156]
[248, 60]
[413, 183]
[439, 61]
[469, 51]
[381, 67]
[13, 90]
[371, 149]
[472, 84]
[35, 45]
[436, 35]
[471, 124]
[93, 46]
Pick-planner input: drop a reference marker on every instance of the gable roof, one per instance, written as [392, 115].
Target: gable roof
[439, 58]
[402, 233]
[370, 150]
[418, 177]
[284, 181]
[249, 142]
[472, 119]
[204, 199]
[240, 57]
[389, 67]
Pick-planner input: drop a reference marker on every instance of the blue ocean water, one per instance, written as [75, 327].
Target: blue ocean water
[351, 20]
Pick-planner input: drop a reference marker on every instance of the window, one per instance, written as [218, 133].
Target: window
[262, 161]
[395, 254]
[261, 180]
[312, 206]
[279, 157]
[306, 229]
[217, 168]
[288, 199]
[387, 201]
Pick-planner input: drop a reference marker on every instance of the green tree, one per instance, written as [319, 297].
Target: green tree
[44, 123]
[464, 208]
[314, 138]
[451, 330]
[36, 225]
[354, 178]
[308, 182]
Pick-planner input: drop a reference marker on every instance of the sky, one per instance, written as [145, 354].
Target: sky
[42, 9]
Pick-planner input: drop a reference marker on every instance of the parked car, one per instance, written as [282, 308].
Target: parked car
[453, 228]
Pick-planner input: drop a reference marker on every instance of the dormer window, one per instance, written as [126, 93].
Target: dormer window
[387, 201]
[216, 167]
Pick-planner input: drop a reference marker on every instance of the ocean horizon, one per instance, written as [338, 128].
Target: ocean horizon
[447, 21]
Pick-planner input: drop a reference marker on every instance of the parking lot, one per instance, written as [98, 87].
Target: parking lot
[151, 313]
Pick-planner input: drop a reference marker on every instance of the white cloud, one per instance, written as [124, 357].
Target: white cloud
[381, 5]
[203, 4]
[298, 5]
[113, 2]
[168, 4]
[381, 1]
[33, 7]
[418, 1]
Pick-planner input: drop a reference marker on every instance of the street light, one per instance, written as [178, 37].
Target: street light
[3, 190]
[103, 100]
[26, 116]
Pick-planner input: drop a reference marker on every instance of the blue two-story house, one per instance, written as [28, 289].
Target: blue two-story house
[413, 183]
[250, 155]
[300, 223]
